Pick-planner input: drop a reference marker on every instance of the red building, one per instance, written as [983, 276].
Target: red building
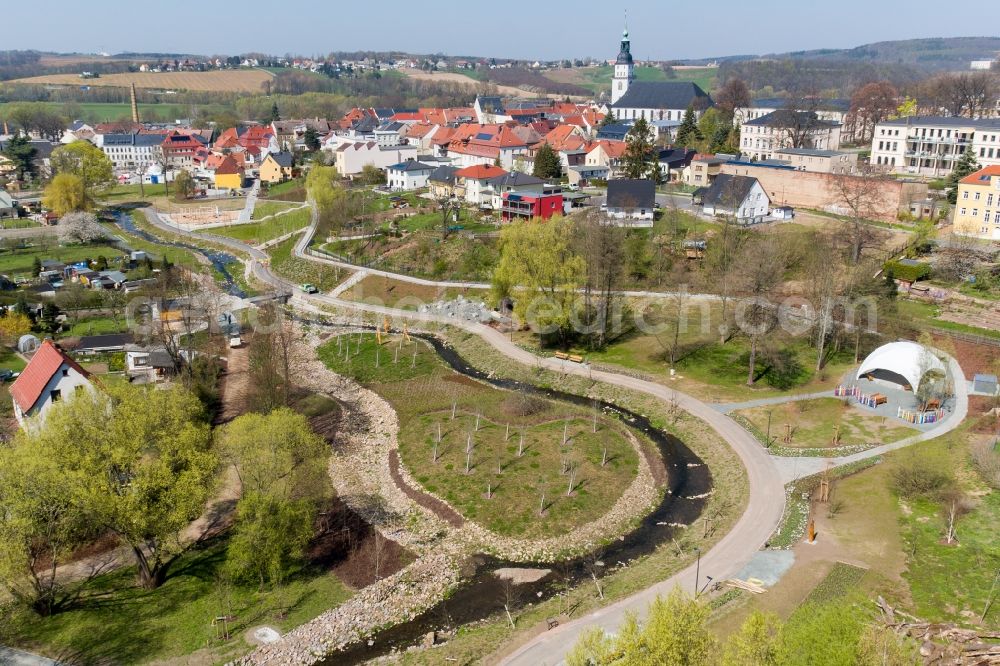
[529, 205]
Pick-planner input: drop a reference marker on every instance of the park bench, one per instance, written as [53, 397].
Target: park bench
[562, 356]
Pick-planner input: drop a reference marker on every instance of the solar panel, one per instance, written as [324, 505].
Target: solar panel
[482, 136]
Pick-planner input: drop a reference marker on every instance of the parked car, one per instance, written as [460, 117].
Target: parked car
[309, 288]
[6, 375]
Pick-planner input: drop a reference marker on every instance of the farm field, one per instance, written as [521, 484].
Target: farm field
[237, 80]
[598, 79]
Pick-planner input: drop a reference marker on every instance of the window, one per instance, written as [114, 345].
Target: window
[977, 196]
[965, 194]
[55, 395]
[65, 372]
[975, 212]
[962, 212]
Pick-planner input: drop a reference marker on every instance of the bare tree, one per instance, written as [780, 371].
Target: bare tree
[954, 505]
[861, 197]
[822, 288]
[871, 104]
[510, 596]
[763, 263]
[602, 245]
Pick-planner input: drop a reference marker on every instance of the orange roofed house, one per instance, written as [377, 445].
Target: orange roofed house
[977, 211]
[472, 183]
[50, 376]
[229, 174]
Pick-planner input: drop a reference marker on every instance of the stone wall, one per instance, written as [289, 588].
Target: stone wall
[807, 189]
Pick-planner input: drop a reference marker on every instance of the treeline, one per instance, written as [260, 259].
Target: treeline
[21, 64]
[519, 77]
[767, 78]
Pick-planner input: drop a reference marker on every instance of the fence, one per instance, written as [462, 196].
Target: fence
[866, 399]
[918, 417]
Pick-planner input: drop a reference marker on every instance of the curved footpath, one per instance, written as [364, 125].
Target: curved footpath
[767, 475]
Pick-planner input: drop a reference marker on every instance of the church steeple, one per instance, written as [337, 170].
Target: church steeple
[624, 67]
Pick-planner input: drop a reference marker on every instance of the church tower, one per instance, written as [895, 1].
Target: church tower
[624, 69]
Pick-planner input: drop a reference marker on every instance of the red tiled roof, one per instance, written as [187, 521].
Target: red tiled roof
[480, 172]
[981, 177]
[228, 166]
[28, 386]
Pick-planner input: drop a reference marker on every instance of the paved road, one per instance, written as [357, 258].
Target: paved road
[766, 475]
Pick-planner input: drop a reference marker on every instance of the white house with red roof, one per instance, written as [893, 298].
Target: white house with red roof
[473, 183]
[50, 376]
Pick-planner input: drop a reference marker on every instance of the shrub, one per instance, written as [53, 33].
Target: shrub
[986, 460]
[919, 479]
[906, 272]
[519, 404]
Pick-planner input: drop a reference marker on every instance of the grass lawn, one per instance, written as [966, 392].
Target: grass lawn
[120, 623]
[122, 193]
[714, 371]
[266, 208]
[20, 223]
[178, 256]
[814, 423]
[301, 271]
[285, 187]
[259, 232]
[406, 295]
[926, 313]
[423, 390]
[599, 78]
[19, 260]
[9, 360]
[92, 326]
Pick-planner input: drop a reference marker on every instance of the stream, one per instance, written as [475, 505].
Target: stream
[219, 260]
[482, 594]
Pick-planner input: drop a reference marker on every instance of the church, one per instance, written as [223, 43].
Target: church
[652, 100]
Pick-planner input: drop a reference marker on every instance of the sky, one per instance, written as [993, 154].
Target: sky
[660, 30]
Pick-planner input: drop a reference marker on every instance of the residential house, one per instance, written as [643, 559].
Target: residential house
[820, 161]
[276, 167]
[100, 344]
[351, 157]
[390, 133]
[487, 145]
[762, 137]
[673, 161]
[145, 365]
[703, 169]
[78, 131]
[741, 197]
[526, 205]
[632, 199]
[836, 110]
[977, 212]
[229, 174]
[581, 175]
[930, 145]
[473, 184]
[408, 176]
[50, 376]
[289, 134]
[179, 149]
[607, 154]
[442, 182]
[513, 181]
[614, 132]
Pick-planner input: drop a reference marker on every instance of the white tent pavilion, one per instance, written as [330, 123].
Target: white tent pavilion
[903, 363]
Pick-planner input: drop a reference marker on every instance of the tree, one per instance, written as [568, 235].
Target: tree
[36, 266]
[881, 646]
[756, 642]
[138, 462]
[311, 139]
[871, 104]
[608, 119]
[371, 175]
[966, 164]
[821, 635]
[762, 264]
[270, 534]
[281, 466]
[734, 94]
[184, 185]
[861, 196]
[675, 633]
[42, 526]
[21, 153]
[65, 194]
[547, 163]
[86, 161]
[50, 318]
[688, 133]
[12, 326]
[539, 268]
[80, 228]
[638, 150]
[275, 115]
[602, 247]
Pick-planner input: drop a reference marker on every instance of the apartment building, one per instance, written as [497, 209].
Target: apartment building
[930, 145]
[977, 212]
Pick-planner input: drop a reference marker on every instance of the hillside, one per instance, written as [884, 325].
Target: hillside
[930, 54]
[598, 79]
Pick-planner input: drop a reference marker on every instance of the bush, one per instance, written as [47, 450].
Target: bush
[907, 272]
[919, 479]
[986, 460]
[519, 404]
